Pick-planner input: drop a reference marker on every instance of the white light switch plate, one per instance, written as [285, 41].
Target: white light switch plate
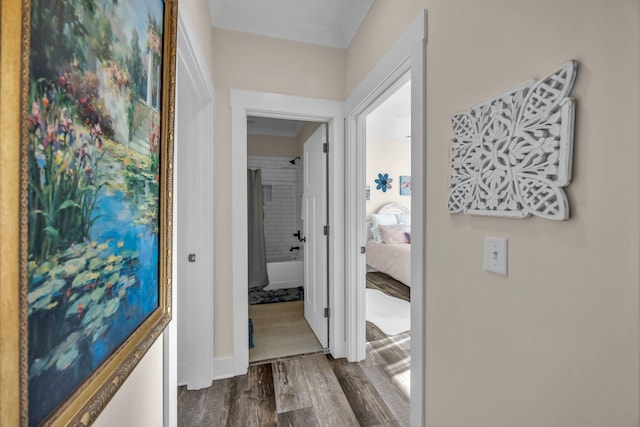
[495, 255]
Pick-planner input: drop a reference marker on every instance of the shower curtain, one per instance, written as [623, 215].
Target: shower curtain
[255, 216]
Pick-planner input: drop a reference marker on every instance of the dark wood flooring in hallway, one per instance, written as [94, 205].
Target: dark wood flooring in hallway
[314, 389]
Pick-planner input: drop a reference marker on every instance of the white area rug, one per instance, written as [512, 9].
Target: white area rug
[391, 315]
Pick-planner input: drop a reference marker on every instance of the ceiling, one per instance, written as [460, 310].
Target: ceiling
[330, 23]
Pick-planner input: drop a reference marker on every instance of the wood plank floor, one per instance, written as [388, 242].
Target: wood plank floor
[388, 285]
[280, 330]
[313, 389]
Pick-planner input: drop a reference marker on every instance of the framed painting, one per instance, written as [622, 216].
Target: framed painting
[405, 185]
[91, 184]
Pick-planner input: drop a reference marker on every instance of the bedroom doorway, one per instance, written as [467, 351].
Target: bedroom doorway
[388, 247]
[287, 255]
[407, 57]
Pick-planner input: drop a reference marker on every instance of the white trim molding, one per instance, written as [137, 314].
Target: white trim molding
[223, 367]
[261, 104]
[406, 59]
[194, 126]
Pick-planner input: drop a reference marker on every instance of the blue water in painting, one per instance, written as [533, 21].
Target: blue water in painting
[114, 224]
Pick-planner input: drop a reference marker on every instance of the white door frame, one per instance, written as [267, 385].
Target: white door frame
[192, 73]
[408, 54]
[262, 104]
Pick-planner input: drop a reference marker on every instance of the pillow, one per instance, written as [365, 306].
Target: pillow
[381, 219]
[404, 218]
[394, 233]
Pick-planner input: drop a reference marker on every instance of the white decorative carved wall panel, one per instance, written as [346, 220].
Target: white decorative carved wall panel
[511, 154]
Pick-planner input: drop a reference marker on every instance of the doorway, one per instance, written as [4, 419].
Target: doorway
[387, 174]
[191, 362]
[194, 206]
[407, 55]
[287, 276]
[275, 106]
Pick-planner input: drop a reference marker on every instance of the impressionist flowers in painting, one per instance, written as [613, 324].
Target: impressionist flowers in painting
[93, 187]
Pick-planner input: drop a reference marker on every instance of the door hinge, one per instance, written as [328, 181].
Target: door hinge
[326, 230]
[326, 312]
[325, 147]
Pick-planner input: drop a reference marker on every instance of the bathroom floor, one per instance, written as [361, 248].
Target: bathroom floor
[280, 330]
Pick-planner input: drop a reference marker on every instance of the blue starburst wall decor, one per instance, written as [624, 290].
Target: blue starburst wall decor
[384, 182]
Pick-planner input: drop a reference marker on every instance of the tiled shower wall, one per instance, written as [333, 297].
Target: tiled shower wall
[282, 214]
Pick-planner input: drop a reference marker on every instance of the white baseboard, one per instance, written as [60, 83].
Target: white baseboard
[181, 381]
[223, 367]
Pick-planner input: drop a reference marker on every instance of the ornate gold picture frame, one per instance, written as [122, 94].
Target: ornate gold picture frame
[87, 94]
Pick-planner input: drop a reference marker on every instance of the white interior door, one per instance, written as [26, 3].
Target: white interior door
[194, 235]
[314, 216]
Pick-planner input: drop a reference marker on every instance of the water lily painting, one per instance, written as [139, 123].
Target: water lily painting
[96, 142]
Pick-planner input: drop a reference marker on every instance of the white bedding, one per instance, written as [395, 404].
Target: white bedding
[393, 259]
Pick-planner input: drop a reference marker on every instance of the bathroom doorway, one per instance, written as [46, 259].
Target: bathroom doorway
[262, 104]
[279, 286]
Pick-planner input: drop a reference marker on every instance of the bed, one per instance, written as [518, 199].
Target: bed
[389, 243]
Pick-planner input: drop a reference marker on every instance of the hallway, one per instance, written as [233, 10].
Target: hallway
[305, 391]
[313, 389]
